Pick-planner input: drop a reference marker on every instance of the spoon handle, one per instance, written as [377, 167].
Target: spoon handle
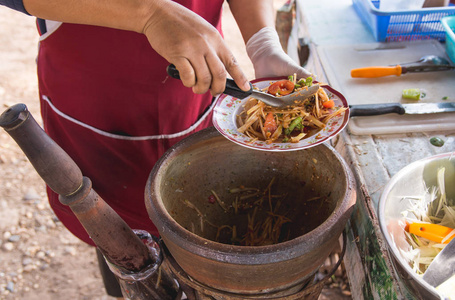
[231, 88]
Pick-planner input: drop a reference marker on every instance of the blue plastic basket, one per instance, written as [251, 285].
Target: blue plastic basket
[405, 25]
[449, 26]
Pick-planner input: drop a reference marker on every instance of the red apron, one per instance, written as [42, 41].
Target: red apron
[107, 101]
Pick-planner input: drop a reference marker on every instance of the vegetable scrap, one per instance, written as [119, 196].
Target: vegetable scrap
[414, 94]
[221, 203]
[212, 199]
[437, 141]
[260, 217]
[264, 222]
[261, 122]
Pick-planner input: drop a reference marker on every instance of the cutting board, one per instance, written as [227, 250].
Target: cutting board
[338, 60]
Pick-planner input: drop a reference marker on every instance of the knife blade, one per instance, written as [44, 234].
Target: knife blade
[442, 267]
[400, 108]
[425, 68]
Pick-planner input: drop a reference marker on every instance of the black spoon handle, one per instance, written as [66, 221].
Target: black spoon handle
[231, 87]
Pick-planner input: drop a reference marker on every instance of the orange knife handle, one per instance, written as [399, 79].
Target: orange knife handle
[433, 232]
[373, 72]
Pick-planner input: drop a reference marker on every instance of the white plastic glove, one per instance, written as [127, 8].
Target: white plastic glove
[268, 57]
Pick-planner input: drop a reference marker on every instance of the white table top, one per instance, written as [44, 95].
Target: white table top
[374, 159]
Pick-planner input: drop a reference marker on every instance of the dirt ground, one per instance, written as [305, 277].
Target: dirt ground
[39, 258]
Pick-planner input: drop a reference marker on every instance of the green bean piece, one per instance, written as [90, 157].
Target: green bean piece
[293, 125]
[436, 141]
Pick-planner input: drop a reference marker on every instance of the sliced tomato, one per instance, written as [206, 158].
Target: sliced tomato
[281, 87]
[270, 123]
[328, 104]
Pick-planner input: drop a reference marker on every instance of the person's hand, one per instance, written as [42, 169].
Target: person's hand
[182, 37]
[269, 58]
[195, 47]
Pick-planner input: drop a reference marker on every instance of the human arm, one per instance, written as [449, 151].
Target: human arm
[252, 15]
[179, 35]
[256, 21]
[14, 4]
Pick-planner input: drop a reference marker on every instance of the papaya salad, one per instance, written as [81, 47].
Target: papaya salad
[291, 124]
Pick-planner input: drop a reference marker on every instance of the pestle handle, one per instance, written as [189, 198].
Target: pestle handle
[108, 230]
[111, 234]
[53, 164]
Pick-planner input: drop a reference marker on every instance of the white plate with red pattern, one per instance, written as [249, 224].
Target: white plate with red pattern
[227, 108]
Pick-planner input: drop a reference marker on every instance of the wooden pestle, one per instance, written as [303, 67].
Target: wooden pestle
[115, 239]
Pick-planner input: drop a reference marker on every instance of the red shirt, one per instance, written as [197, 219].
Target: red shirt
[107, 100]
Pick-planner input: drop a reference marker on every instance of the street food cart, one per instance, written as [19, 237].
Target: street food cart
[354, 171]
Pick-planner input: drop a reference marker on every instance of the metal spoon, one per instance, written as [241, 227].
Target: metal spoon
[432, 59]
[442, 267]
[280, 102]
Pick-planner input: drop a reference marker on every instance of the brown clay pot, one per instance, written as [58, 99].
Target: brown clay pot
[207, 161]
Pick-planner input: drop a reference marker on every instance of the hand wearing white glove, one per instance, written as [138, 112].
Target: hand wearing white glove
[268, 57]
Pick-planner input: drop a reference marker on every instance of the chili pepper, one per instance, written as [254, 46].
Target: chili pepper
[309, 81]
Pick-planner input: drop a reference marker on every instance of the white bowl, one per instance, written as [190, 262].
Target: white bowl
[412, 180]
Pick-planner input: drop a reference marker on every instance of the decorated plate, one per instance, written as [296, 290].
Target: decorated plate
[227, 108]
